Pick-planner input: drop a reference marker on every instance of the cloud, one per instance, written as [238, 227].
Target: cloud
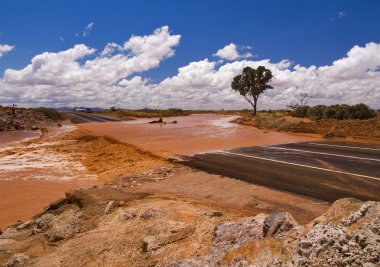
[82, 75]
[352, 79]
[230, 52]
[4, 49]
[88, 29]
[61, 39]
[342, 14]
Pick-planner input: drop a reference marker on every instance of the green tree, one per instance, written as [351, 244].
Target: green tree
[251, 83]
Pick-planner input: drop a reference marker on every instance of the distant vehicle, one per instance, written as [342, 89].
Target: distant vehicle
[88, 110]
[80, 109]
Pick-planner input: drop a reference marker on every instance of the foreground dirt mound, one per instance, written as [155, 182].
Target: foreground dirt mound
[347, 235]
[110, 226]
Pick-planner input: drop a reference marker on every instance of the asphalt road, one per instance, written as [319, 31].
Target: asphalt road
[82, 117]
[324, 170]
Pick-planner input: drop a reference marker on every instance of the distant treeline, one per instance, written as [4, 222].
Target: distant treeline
[339, 112]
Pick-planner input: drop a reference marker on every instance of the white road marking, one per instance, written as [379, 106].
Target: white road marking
[300, 165]
[81, 117]
[358, 147]
[322, 153]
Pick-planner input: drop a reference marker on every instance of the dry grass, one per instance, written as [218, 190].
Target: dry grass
[281, 121]
[268, 120]
[257, 251]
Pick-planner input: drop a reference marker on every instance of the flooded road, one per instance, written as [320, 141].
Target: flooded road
[33, 174]
[191, 134]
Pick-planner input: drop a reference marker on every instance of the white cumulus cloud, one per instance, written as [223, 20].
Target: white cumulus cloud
[84, 76]
[230, 52]
[5, 49]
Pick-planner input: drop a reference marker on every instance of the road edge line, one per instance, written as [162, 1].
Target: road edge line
[300, 165]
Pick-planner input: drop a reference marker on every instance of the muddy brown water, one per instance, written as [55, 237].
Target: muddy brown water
[25, 192]
[31, 177]
[7, 138]
[192, 134]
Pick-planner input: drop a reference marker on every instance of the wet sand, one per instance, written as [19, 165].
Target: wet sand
[192, 134]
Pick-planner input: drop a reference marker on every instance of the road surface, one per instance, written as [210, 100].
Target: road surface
[82, 117]
[322, 170]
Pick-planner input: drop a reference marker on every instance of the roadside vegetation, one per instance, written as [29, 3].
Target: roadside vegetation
[49, 113]
[339, 112]
[145, 113]
[284, 120]
[128, 114]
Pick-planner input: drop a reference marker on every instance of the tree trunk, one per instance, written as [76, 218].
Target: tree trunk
[254, 107]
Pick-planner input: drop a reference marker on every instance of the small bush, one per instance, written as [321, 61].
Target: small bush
[49, 113]
[339, 112]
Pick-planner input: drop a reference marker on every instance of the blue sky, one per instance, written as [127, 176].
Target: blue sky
[305, 32]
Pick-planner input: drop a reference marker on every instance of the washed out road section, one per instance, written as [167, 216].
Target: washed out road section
[82, 117]
[191, 134]
[318, 175]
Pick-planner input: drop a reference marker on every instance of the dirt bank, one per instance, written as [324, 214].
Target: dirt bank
[325, 127]
[235, 194]
[27, 119]
[191, 134]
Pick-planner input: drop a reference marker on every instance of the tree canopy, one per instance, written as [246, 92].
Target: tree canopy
[251, 83]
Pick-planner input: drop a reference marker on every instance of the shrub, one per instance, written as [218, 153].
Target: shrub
[49, 113]
[316, 113]
[301, 112]
[339, 112]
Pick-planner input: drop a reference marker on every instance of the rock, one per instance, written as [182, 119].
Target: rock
[128, 214]
[109, 206]
[329, 135]
[43, 221]
[36, 231]
[152, 213]
[355, 216]
[278, 223]
[214, 213]
[34, 128]
[152, 243]
[228, 235]
[25, 225]
[63, 226]
[17, 260]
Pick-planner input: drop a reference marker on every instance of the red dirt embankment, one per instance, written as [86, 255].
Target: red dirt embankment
[325, 127]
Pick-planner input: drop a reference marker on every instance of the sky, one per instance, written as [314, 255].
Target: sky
[184, 54]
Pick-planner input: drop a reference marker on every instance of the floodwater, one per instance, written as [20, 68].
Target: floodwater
[32, 175]
[192, 134]
[7, 138]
